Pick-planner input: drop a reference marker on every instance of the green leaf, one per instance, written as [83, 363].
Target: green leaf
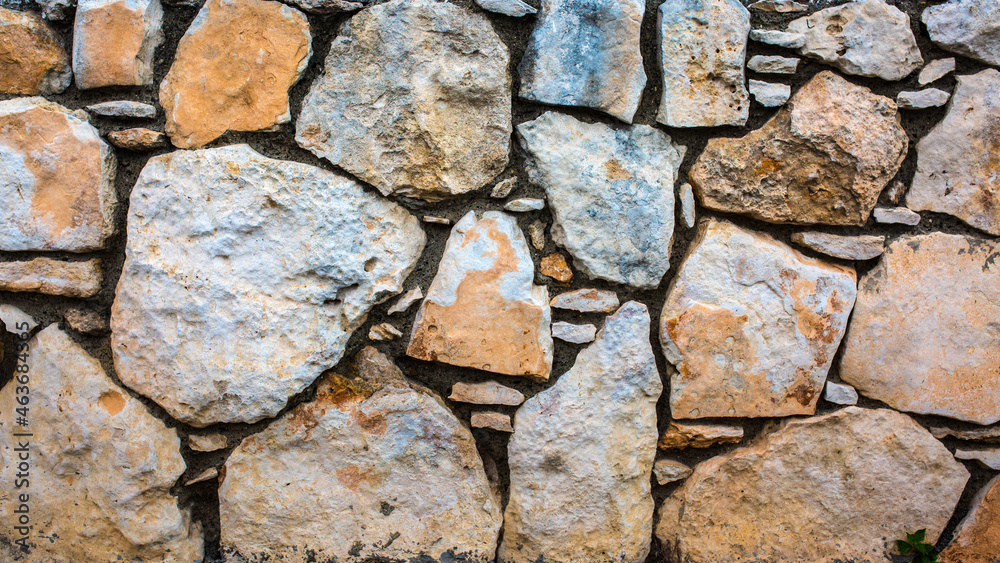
[924, 548]
[904, 547]
[919, 535]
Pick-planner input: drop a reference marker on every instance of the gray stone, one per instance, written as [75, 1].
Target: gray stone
[840, 394]
[988, 457]
[778, 38]
[770, 64]
[114, 42]
[512, 8]
[56, 10]
[990, 435]
[503, 188]
[573, 333]
[123, 109]
[492, 420]
[966, 27]
[846, 247]
[896, 216]
[768, 94]
[207, 442]
[52, 277]
[586, 301]
[936, 70]
[327, 6]
[922, 99]
[668, 471]
[406, 301]
[486, 393]
[780, 6]
[687, 205]
[524, 205]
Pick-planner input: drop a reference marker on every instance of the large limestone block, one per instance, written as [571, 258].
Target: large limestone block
[966, 27]
[582, 454]
[32, 59]
[611, 193]
[373, 468]
[100, 466]
[823, 158]
[114, 42]
[752, 325]
[233, 69]
[245, 276]
[414, 99]
[482, 309]
[57, 179]
[977, 538]
[837, 487]
[924, 333]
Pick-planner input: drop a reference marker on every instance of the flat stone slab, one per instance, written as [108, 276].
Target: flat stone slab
[922, 99]
[573, 333]
[771, 64]
[486, 393]
[846, 247]
[586, 301]
[681, 436]
[936, 70]
[79, 279]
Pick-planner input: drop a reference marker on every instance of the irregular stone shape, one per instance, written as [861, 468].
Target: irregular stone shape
[682, 436]
[86, 322]
[482, 310]
[536, 232]
[611, 194]
[384, 332]
[823, 489]
[57, 179]
[582, 453]
[586, 54]
[575, 334]
[373, 468]
[486, 393]
[512, 8]
[841, 394]
[406, 301]
[923, 99]
[778, 38]
[32, 59]
[56, 10]
[991, 435]
[437, 220]
[769, 64]
[554, 266]
[823, 158]
[896, 215]
[966, 27]
[17, 321]
[988, 457]
[752, 325]
[780, 6]
[977, 538]
[503, 188]
[114, 42]
[226, 247]
[206, 442]
[524, 205]
[895, 192]
[859, 247]
[936, 70]
[958, 162]
[233, 69]
[492, 420]
[687, 205]
[52, 277]
[425, 115]
[101, 467]
[668, 471]
[586, 301]
[924, 332]
[768, 94]
[138, 139]
[206, 475]
[327, 6]
[703, 45]
[123, 109]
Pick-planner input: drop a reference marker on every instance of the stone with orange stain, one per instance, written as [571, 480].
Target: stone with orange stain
[114, 42]
[373, 468]
[683, 436]
[233, 69]
[977, 538]
[752, 325]
[554, 266]
[102, 467]
[138, 139]
[482, 310]
[57, 179]
[32, 58]
[924, 332]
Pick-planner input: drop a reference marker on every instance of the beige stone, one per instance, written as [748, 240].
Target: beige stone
[383, 332]
[206, 442]
[586, 301]
[987, 457]
[206, 475]
[536, 232]
[32, 59]
[486, 393]
[138, 139]
[406, 301]
[86, 322]
[681, 436]
[114, 42]
[52, 277]
[977, 538]
[667, 471]
[492, 420]
[846, 247]
[991, 435]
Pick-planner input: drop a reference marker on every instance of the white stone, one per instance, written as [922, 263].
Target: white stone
[384, 332]
[524, 205]
[936, 70]
[668, 471]
[16, 320]
[123, 109]
[966, 27]
[573, 333]
[841, 394]
[771, 64]
[896, 216]
[586, 301]
[52, 277]
[778, 38]
[989, 457]
[503, 188]
[846, 247]
[768, 94]
[486, 393]
[922, 99]
[512, 8]
[406, 301]
[687, 205]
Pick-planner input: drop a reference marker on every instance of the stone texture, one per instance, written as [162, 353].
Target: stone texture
[86, 322]
[436, 220]
[768, 94]
[823, 158]
[575, 334]
[839, 394]
[383, 332]
[611, 193]
[233, 69]
[703, 46]
[524, 205]
[924, 332]
[977, 538]
[101, 467]
[52, 277]
[486, 393]
[492, 420]
[374, 468]
[17, 321]
[771, 64]
[895, 192]
[138, 139]
[682, 436]
[586, 53]
[57, 179]
[752, 325]
[328, 6]
[780, 6]
[837, 487]
[114, 42]
[226, 247]
[897, 216]
[778, 38]
[503, 188]
[512, 8]
[56, 10]
[554, 266]
[936, 70]
[207, 442]
[582, 453]
[922, 99]
[987, 457]
[482, 310]
[686, 197]
[958, 162]
[406, 301]
[668, 471]
[125, 109]
[32, 58]
[206, 475]
[586, 301]
[536, 233]
[846, 247]
[426, 114]
[991, 435]
[966, 27]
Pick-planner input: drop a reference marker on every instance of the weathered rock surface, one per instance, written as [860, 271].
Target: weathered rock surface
[611, 193]
[686, 197]
[554, 266]
[406, 301]
[206, 442]
[703, 47]
[991, 435]
[977, 538]
[924, 332]
[32, 59]
[841, 394]
[384, 332]
[752, 325]
[482, 310]
[492, 420]
[575, 334]
[126, 109]
[512, 8]
[966, 27]
[822, 489]
[227, 247]
[524, 205]
[987, 457]
[86, 322]
[823, 158]
[781, 6]
[503, 188]
[114, 42]
[922, 99]
[425, 114]
[486, 393]
[897, 216]
[682, 436]
[778, 38]
[858, 247]
[582, 453]
[958, 162]
[536, 233]
[138, 139]
[586, 54]
[374, 468]
[770, 64]
[233, 69]
[668, 471]
[101, 466]
[57, 179]
[586, 301]
[328, 6]
[769, 94]
[936, 70]
[52, 277]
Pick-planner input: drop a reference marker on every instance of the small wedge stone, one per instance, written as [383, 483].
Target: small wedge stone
[686, 197]
[988, 457]
[769, 64]
[896, 216]
[586, 301]
[512, 8]
[860, 247]
[525, 205]
[768, 94]
[437, 220]
[206, 475]
[86, 322]
[990, 435]
[138, 139]
[778, 38]
[840, 394]
[207, 442]
[682, 436]
[668, 471]
[52, 277]
[384, 332]
[923, 99]
[536, 232]
[573, 333]
[554, 266]
[126, 109]
[492, 420]
[780, 6]
[486, 393]
[895, 192]
[936, 70]
[406, 301]
[503, 188]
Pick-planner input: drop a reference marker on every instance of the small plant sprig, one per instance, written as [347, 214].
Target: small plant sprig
[914, 543]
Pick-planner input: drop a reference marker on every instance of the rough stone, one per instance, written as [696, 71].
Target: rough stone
[554, 266]
[668, 471]
[575, 334]
[703, 46]
[611, 193]
[125, 109]
[924, 332]
[768, 94]
[437, 220]
[524, 205]
[840, 394]
[780, 6]
[582, 454]
[384, 332]
[586, 301]
[57, 179]
[482, 310]
[424, 115]
[991, 435]
[206, 475]
[101, 467]
[837, 487]
[966, 27]
[988, 457]
[922, 99]
[56, 10]
[823, 158]
[486, 393]
[52, 277]
[233, 69]
[114, 42]
[512, 8]
[492, 420]
[895, 192]
[374, 468]
[138, 139]
[586, 53]
[32, 59]
[503, 188]
[682, 436]
[858, 247]
[86, 322]
[771, 64]
[936, 70]
[977, 537]
[16, 320]
[687, 205]
[778, 38]
[226, 247]
[207, 442]
[406, 301]
[536, 232]
[896, 216]
[328, 6]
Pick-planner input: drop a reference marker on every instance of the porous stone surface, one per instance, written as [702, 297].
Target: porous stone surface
[86, 322]
[125, 109]
[936, 70]
[840, 394]
[773, 64]
[897, 216]
[573, 333]
[668, 471]
[611, 193]
[586, 301]
[966, 27]
[922, 99]
[582, 454]
[769, 94]
[485, 393]
[987, 457]
[680, 436]
[751, 325]
[823, 158]
[924, 332]
[138, 139]
[512, 8]
[555, 266]
[846, 247]
[492, 420]
[32, 58]
[977, 538]
[482, 309]
[52, 277]
[207, 442]
[586, 53]
[226, 247]
[233, 69]
[114, 42]
[425, 115]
